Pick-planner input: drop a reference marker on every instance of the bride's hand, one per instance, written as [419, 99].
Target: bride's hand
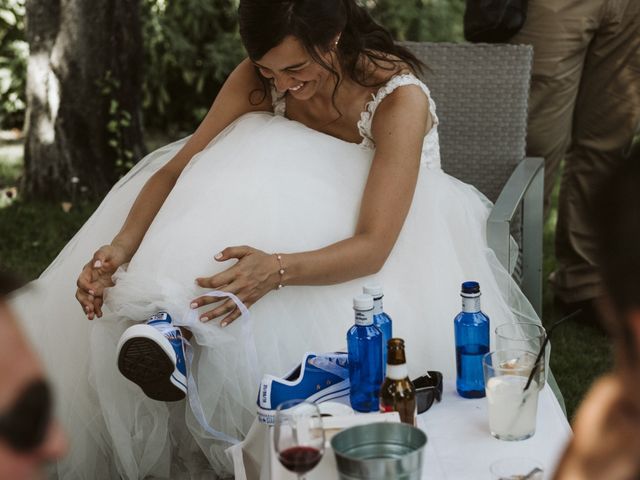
[96, 276]
[254, 275]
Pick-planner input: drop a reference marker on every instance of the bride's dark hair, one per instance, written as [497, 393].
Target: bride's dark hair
[264, 24]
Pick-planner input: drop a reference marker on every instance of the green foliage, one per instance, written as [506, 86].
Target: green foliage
[119, 121]
[190, 48]
[13, 63]
[420, 20]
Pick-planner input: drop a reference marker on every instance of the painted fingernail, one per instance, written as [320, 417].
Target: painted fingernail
[203, 318]
[91, 292]
[194, 305]
[218, 256]
[97, 264]
[224, 324]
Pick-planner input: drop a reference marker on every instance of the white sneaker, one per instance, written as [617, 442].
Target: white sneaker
[152, 356]
[319, 378]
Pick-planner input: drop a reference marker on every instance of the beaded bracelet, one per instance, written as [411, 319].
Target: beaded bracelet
[281, 271]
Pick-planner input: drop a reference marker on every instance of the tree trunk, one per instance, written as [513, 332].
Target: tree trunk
[84, 88]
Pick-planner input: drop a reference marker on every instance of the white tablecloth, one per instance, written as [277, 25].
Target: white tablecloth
[459, 445]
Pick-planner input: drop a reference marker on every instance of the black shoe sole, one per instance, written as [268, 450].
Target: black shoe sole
[146, 364]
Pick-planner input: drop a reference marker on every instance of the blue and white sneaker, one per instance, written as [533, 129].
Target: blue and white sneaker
[319, 378]
[152, 356]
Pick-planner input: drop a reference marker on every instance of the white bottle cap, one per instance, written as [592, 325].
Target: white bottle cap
[363, 302]
[373, 289]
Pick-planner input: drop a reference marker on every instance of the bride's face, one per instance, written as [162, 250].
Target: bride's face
[292, 69]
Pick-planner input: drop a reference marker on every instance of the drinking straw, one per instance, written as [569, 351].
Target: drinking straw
[544, 345]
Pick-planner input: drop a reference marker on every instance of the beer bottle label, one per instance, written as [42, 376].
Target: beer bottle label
[397, 372]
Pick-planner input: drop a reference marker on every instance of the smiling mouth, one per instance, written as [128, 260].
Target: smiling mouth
[297, 87]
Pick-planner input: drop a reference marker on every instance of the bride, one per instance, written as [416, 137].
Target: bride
[317, 169]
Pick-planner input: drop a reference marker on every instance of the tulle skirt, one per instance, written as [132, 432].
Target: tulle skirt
[277, 186]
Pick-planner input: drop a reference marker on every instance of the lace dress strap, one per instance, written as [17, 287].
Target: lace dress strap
[278, 101]
[366, 117]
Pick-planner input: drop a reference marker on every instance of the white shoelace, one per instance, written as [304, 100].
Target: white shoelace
[252, 360]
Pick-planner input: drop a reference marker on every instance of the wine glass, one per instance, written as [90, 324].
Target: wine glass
[298, 436]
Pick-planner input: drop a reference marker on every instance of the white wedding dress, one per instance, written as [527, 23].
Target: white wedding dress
[278, 186]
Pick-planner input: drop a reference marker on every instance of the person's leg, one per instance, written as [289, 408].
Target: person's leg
[560, 32]
[607, 113]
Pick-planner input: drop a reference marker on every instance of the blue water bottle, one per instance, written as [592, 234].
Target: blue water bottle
[472, 342]
[380, 319]
[364, 343]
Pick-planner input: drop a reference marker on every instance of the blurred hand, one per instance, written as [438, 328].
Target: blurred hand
[254, 275]
[96, 276]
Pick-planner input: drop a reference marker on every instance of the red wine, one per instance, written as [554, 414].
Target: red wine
[300, 459]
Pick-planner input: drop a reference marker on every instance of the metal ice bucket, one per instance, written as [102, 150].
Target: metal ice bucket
[379, 451]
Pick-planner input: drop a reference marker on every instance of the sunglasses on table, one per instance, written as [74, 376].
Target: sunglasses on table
[428, 389]
[25, 424]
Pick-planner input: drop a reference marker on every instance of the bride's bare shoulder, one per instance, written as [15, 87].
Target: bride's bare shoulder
[245, 85]
[411, 101]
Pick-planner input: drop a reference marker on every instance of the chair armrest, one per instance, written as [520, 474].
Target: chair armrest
[526, 186]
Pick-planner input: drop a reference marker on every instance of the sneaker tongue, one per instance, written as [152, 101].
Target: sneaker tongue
[164, 327]
[335, 364]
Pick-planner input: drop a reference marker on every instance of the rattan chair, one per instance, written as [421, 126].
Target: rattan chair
[481, 92]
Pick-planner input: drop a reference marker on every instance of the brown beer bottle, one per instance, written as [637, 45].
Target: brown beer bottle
[397, 393]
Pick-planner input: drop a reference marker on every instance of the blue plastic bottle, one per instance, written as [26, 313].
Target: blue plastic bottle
[472, 342]
[364, 342]
[380, 320]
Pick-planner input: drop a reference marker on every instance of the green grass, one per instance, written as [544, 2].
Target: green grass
[34, 233]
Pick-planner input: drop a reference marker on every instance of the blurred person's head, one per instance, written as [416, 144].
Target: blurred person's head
[619, 261]
[29, 437]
